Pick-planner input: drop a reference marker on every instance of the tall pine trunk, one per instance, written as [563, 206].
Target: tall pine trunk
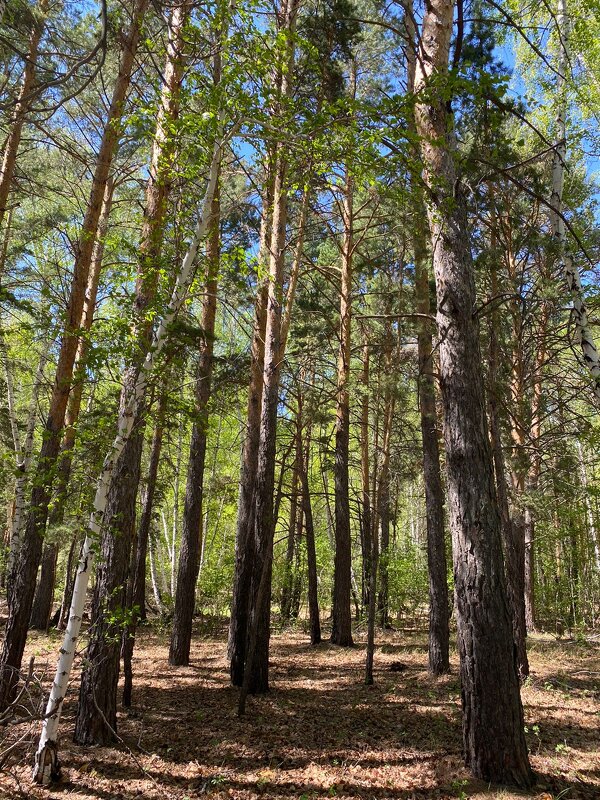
[493, 735]
[365, 474]
[439, 633]
[244, 550]
[257, 658]
[286, 592]
[191, 535]
[311, 554]
[439, 613]
[341, 630]
[250, 616]
[514, 546]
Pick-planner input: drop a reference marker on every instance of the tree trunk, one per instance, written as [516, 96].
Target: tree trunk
[311, 554]
[191, 536]
[494, 740]
[250, 614]
[286, 593]
[143, 532]
[244, 549]
[67, 597]
[153, 576]
[439, 614]
[137, 587]
[366, 517]
[341, 631]
[514, 546]
[296, 594]
[514, 550]
[31, 551]
[96, 720]
[290, 580]
[439, 634]
[44, 594]
[372, 610]
[263, 520]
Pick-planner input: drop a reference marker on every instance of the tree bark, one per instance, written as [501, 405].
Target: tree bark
[341, 631]
[439, 613]
[143, 532]
[191, 535]
[311, 554]
[67, 597]
[244, 551]
[250, 615]
[493, 735]
[137, 587]
[257, 662]
[366, 517]
[286, 593]
[513, 543]
[439, 633]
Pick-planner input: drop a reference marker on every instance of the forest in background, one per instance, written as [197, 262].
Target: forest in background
[298, 311]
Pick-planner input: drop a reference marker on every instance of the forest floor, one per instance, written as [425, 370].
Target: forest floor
[320, 732]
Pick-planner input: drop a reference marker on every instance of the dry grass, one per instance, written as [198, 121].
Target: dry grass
[320, 732]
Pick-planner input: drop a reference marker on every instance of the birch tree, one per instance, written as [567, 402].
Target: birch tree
[47, 765]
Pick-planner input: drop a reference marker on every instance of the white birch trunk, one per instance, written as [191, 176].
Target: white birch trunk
[571, 272]
[47, 767]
